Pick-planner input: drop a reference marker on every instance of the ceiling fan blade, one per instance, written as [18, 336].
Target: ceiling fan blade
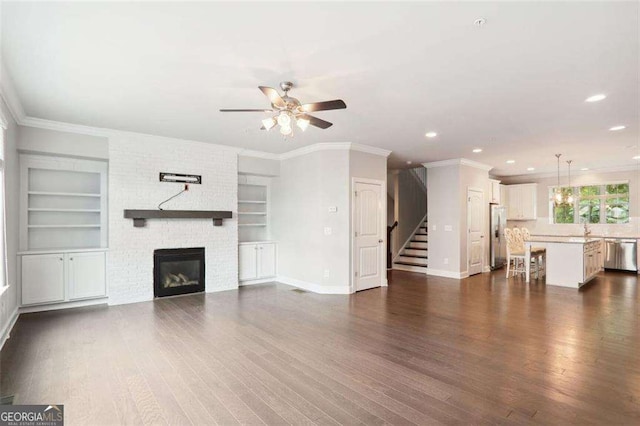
[246, 110]
[324, 106]
[273, 96]
[315, 121]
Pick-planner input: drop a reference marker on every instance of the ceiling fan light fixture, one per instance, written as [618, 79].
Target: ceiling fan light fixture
[286, 130]
[284, 120]
[268, 123]
[302, 123]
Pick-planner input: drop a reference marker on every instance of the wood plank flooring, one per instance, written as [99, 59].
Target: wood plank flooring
[424, 350]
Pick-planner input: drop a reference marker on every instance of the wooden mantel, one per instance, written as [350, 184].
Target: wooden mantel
[140, 216]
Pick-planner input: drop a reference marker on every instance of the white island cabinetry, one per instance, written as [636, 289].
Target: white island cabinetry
[570, 261]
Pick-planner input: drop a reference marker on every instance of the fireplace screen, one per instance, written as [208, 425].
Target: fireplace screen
[178, 271]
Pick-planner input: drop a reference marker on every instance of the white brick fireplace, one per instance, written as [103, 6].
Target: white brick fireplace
[134, 165]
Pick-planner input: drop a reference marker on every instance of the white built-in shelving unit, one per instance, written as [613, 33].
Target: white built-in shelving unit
[63, 230]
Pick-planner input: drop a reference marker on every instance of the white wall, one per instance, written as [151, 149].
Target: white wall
[258, 166]
[54, 142]
[134, 165]
[9, 299]
[542, 225]
[444, 209]
[307, 186]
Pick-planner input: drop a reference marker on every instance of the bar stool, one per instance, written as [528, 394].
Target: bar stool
[515, 254]
[538, 254]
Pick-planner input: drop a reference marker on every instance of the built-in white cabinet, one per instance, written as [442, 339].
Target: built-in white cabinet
[495, 196]
[257, 260]
[253, 208]
[521, 201]
[593, 260]
[43, 279]
[62, 277]
[87, 275]
[63, 230]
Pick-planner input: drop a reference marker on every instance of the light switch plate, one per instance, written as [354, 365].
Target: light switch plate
[328, 230]
[333, 209]
[448, 228]
[435, 227]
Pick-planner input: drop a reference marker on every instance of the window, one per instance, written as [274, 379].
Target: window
[606, 203]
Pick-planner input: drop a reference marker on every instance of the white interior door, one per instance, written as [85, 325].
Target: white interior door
[368, 238]
[475, 225]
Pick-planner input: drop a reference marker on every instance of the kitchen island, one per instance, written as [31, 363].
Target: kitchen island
[570, 261]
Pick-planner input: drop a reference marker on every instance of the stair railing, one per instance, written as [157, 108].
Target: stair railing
[389, 253]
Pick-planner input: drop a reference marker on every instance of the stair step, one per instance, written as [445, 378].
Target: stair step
[417, 244]
[415, 252]
[403, 262]
[410, 268]
[418, 237]
[417, 256]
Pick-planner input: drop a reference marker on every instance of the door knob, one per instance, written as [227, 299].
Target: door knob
[380, 241]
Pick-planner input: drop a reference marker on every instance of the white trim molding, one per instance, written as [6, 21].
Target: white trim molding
[458, 162]
[5, 334]
[447, 274]
[313, 287]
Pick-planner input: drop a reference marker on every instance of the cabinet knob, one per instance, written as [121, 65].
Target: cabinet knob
[61, 258]
[71, 258]
[255, 248]
[261, 248]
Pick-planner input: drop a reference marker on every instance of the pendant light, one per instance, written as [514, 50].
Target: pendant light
[557, 198]
[570, 196]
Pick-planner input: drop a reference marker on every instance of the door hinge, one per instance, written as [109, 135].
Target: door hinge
[356, 233]
[356, 273]
[356, 193]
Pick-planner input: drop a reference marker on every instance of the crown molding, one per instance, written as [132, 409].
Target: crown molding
[370, 149]
[458, 162]
[9, 95]
[608, 169]
[60, 126]
[327, 146]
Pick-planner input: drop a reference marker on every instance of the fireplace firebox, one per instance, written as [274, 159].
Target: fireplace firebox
[178, 271]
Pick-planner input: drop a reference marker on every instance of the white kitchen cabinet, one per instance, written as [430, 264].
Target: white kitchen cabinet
[495, 191]
[87, 278]
[62, 277]
[42, 279]
[521, 201]
[256, 260]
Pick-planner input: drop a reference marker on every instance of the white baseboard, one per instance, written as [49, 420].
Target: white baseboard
[409, 268]
[447, 274]
[385, 282]
[316, 288]
[65, 305]
[6, 331]
[260, 281]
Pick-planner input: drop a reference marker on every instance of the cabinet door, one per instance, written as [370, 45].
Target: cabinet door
[42, 278]
[528, 201]
[247, 262]
[514, 208]
[266, 260]
[495, 191]
[86, 275]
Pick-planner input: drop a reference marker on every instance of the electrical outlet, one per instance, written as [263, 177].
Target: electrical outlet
[446, 261]
[327, 273]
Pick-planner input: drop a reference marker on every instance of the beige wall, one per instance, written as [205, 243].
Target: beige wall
[444, 209]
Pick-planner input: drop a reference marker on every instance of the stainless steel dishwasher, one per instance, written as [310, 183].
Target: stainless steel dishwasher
[621, 254]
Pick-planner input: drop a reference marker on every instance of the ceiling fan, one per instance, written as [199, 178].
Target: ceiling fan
[289, 111]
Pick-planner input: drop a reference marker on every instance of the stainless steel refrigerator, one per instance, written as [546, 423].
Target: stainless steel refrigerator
[498, 244]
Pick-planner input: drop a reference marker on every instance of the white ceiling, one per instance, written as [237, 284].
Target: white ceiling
[515, 87]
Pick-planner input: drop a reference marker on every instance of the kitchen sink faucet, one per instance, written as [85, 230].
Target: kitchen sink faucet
[587, 231]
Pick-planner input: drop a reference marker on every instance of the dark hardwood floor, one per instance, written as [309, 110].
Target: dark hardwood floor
[422, 351]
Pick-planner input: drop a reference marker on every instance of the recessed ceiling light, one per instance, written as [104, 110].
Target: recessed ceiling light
[595, 98]
[637, 157]
[584, 169]
[616, 128]
[479, 22]
[431, 134]
[511, 161]
[530, 169]
[477, 150]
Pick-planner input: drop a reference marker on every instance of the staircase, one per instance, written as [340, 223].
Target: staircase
[414, 255]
